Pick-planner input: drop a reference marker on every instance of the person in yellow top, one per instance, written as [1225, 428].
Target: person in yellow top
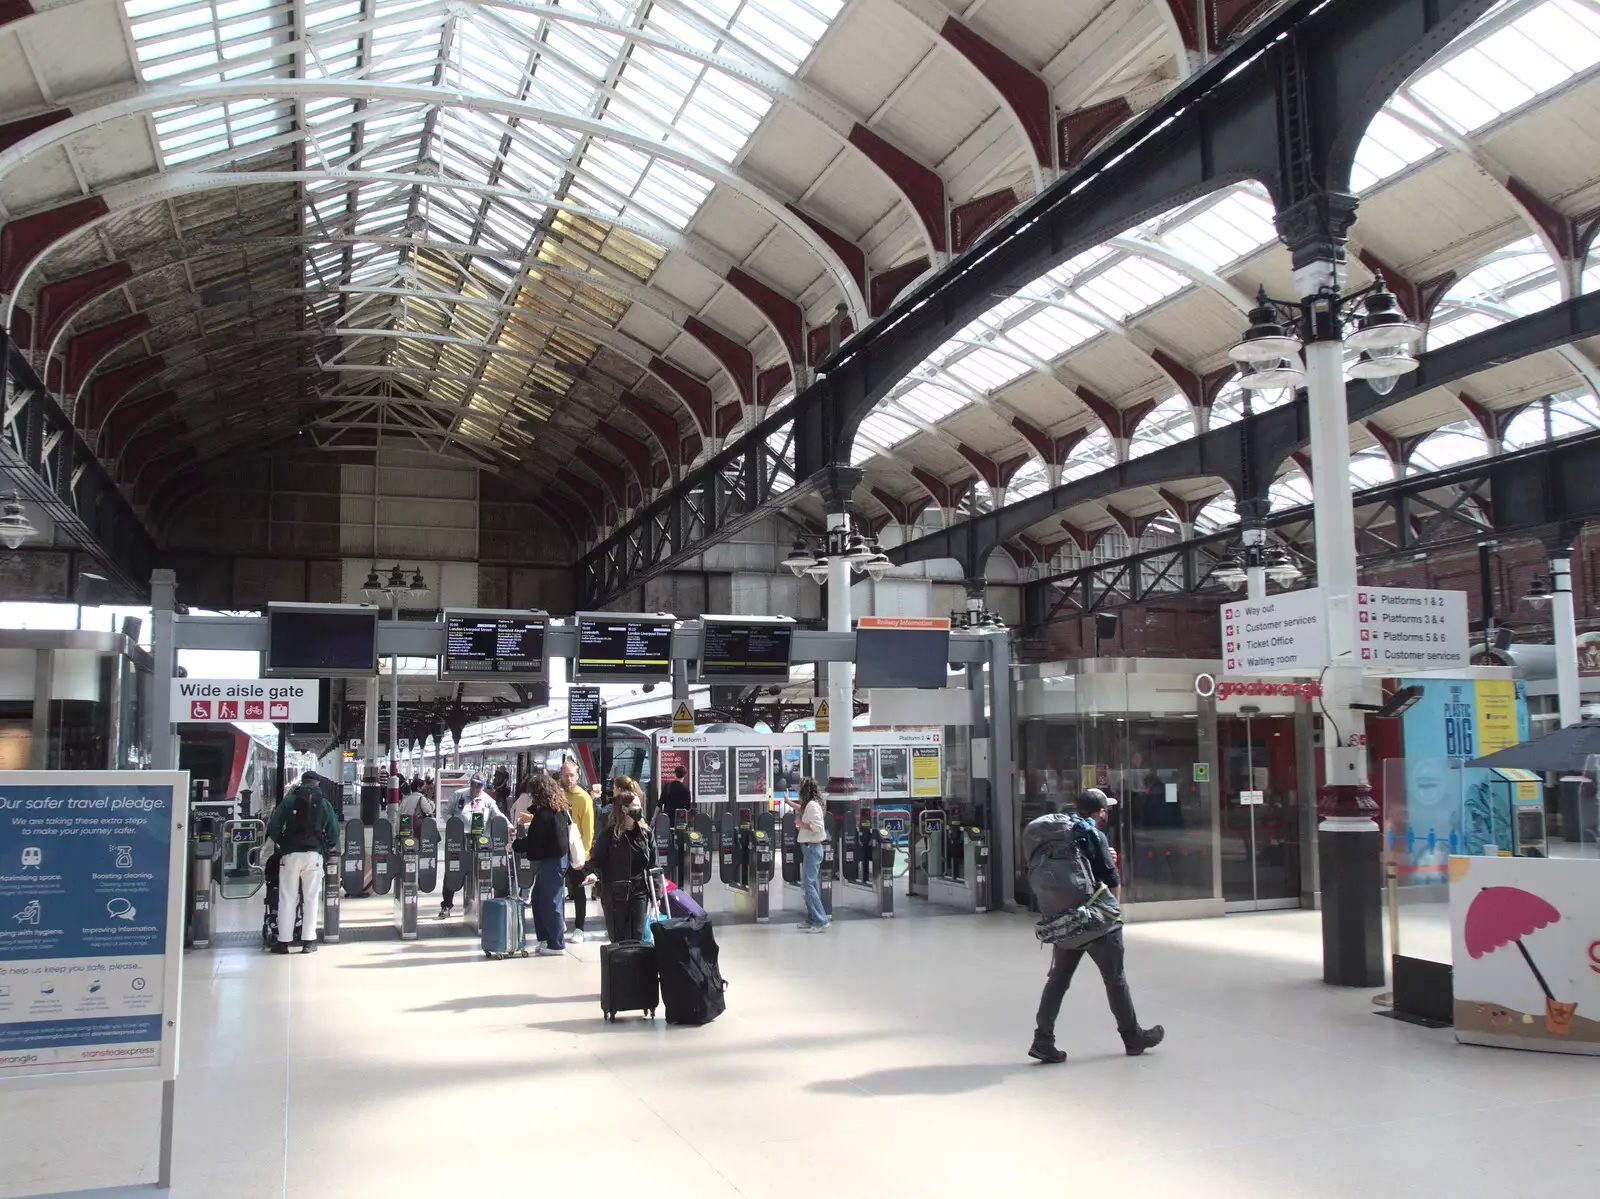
[583, 817]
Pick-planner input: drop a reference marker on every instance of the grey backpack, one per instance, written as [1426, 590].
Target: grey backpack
[1058, 874]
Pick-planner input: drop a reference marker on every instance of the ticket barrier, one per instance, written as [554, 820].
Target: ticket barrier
[332, 890]
[480, 878]
[382, 856]
[427, 855]
[406, 846]
[455, 855]
[927, 851]
[847, 837]
[353, 858]
[203, 833]
[961, 852]
[696, 856]
[790, 842]
[870, 853]
[662, 829]
[753, 899]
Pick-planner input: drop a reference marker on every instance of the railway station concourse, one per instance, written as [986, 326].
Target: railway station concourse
[969, 404]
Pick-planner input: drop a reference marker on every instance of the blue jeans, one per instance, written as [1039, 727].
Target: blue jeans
[550, 902]
[811, 872]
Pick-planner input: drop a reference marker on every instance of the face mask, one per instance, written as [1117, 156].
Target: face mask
[635, 812]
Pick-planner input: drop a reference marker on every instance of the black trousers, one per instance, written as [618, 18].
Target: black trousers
[624, 917]
[1106, 952]
[579, 896]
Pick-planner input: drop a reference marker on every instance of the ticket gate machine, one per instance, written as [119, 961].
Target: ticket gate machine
[927, 851]
[867, 844]
[696, 855]
[203, 831]
[405, 881]
[382, 856]
[958, 863]
[887, 829]
[455, 855]
[480, 878]
[730, 847]
[427, 855]
[662, 828]
[500, 866]
[790, 845]
[332, 891]
[353, 855]
[747, 857]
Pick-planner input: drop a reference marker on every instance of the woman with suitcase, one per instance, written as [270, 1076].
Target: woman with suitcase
[621, 858]
[545, 841]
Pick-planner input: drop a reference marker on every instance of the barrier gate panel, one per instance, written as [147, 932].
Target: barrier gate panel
[427, 855]
[382, 856]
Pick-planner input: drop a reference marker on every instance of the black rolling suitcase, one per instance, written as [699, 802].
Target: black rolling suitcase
[628, 979]
[690, 978]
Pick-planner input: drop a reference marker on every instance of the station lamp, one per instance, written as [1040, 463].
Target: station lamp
[15, 527]
[1269, 351]
[863, 555]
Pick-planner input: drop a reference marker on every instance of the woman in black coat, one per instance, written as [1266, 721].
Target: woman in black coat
[621, 858]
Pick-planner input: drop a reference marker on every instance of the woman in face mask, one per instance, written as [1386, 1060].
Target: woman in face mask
[621, 858]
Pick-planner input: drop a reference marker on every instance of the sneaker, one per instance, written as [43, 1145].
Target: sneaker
[281, 947]
[444, 913]
[813, 928]
[1046, 1051]
[548, 951]
[308, 947]
[1145, 1038]
[577, 937]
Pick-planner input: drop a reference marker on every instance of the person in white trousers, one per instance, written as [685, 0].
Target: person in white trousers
[303, 827]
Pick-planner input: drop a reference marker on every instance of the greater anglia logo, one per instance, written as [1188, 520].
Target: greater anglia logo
[1206, 685]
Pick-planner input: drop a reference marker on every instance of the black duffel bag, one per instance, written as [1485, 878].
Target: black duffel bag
[686, 962]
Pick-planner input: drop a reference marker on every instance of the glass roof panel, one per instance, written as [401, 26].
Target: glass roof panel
[1237, 224]
[1131, 285]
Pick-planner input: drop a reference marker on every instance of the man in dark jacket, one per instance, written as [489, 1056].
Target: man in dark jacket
[303, 827]
[1094, 808]
[675, 796]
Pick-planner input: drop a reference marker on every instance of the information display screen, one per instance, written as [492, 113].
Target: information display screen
[321, 640]
[745, 650]
[902, 652]
[623, 647]
[479, 643]
[583, 713]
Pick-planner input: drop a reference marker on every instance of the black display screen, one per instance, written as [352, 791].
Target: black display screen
[623, 648]
[902, 657]
[305, 641]
[583, 713]
[746, 651]
[479, 644]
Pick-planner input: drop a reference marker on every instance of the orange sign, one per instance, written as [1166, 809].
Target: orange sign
[903, 622]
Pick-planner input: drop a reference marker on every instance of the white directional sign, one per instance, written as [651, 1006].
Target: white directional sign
[210, 701]
[1282, 634]
[1405, 629]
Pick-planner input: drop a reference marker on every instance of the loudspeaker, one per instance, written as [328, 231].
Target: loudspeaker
[1105, 626]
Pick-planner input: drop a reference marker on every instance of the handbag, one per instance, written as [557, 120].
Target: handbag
[575, 854]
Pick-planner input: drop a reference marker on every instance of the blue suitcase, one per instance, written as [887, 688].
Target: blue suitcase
[501, 929]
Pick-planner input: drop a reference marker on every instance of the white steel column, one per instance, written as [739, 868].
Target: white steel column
[1569, 705]
[1335, 529]
[1254, 537]
[394, 716]
[841, 675]
[163, 651]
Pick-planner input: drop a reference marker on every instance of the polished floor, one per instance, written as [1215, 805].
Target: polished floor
[883, 1059]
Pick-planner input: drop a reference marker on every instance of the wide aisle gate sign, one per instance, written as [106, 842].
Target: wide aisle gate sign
[91, 922]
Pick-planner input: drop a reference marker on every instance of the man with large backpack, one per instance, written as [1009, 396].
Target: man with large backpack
[304, 828]
[1068, 861]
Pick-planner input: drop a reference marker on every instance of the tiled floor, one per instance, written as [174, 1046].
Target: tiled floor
[883, 1059]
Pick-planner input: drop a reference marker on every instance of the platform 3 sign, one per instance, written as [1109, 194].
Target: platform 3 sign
[91, 911]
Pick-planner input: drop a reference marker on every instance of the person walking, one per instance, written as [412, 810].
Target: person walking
[468, 803]
[811, 831]
[545, 843]
[675, 797]
[623, 855]
[582, 805]
[1093, 811]
[521, 815]
[303, 828]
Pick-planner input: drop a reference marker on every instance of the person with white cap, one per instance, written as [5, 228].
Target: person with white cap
[1093, 811]
[471, 801]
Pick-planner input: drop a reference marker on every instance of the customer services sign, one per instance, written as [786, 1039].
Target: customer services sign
[91, 909]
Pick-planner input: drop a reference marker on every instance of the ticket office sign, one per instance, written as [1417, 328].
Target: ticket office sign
[91, 913]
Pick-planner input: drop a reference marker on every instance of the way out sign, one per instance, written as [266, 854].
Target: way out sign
[210, 701]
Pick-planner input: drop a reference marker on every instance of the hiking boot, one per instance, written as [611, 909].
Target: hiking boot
[1046, 1051]
[1145, 1038]
[280, 947]
[308, 947]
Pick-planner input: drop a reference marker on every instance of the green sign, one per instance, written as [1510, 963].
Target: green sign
[1202, 772]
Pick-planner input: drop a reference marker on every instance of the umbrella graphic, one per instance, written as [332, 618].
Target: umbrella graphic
[1505, 915]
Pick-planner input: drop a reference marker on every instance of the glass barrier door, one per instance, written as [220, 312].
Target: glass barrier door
[1260, 812]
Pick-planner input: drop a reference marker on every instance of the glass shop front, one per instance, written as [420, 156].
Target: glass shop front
[1214, 778]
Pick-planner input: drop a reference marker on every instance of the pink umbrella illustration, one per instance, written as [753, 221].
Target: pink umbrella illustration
[1505, 915]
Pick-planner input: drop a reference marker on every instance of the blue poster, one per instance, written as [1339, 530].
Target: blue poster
[84, 882]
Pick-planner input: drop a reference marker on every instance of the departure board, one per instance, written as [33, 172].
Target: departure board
[482, 644]
[623, 647]
[745, 650]
[583, 713]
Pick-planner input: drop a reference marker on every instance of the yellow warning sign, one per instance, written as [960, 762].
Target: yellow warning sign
[820, 707]
[683, 717]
